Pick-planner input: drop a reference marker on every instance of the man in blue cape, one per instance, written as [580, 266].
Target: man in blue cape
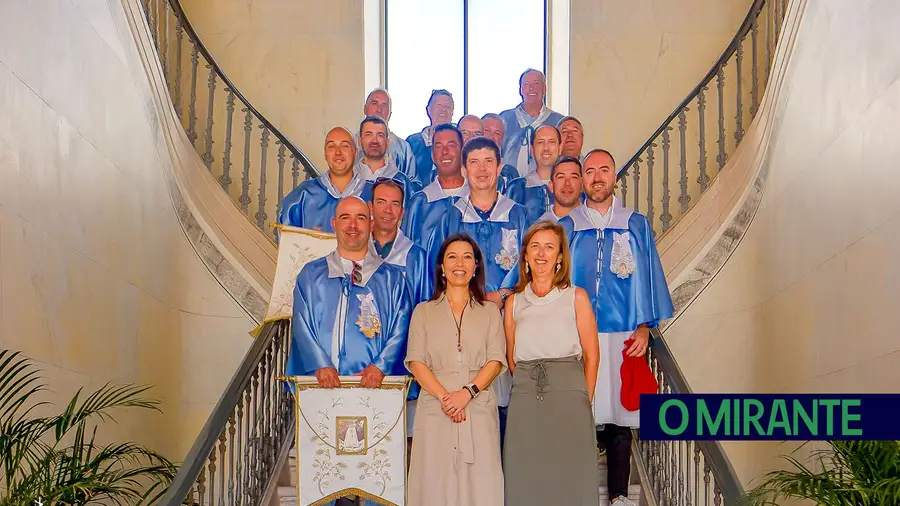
[524, 119]
[440, 112]
[566, 187]
[351, 309]
[497, 223]
[378, 103]
[311, 204]
[427, 207]
[619, 267]
[495, 129]
[375, 163]
[532, 190]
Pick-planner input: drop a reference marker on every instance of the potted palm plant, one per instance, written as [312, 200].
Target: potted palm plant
[56, 460]
[844, 473]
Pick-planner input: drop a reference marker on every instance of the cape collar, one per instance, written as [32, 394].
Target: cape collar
[435, 191]
[399, 250]
[354, 188]
[500, 214]
[369, 265]
[618, 219]
[389, 170]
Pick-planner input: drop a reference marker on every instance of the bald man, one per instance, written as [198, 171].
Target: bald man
[311, 204]
[351, 309]
[524, 119]
[378, 103]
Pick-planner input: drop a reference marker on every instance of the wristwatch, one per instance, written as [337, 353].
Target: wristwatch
[503, 296]
[473, 389]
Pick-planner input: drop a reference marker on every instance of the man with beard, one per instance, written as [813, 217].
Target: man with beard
[374, 164]
[311, 204]
[532, 191]
[427, 207]
[628, 291]
[497, 223]
[572, 133]
[566, 186]
[342, 302]
[524, 119]
[378, 103]
[440, 112]
[495, 129]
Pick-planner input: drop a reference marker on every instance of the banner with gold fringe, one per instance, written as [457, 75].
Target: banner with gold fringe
[296, 248]
[351, 441]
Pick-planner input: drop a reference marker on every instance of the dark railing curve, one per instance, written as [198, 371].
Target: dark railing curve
[699, 146]
[259, 148]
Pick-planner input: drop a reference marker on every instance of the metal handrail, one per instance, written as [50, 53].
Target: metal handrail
[698, 165]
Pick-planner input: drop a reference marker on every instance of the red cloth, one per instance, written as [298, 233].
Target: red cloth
[637, 379]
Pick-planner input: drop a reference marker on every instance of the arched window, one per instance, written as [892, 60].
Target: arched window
[476, 49]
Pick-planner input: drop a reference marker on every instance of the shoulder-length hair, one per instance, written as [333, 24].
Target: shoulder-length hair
[562, 277]
[476, 284]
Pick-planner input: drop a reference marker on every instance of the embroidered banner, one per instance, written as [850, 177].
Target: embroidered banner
[296, 248]
[351, 441]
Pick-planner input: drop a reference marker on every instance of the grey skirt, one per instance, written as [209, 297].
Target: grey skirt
[549, 454]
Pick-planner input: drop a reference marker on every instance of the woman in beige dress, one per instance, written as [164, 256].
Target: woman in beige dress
[456, 348]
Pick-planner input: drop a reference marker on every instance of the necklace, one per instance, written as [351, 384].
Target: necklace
[459, 330]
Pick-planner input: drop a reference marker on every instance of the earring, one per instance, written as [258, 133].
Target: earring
[557, 266]
[527, 268]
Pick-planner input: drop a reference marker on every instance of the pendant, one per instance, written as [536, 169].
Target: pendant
[459, 355]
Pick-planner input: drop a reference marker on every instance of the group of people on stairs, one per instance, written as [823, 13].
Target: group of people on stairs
[492, 262]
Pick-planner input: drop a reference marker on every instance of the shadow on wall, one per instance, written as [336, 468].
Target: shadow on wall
[801, 304]
[97, 279]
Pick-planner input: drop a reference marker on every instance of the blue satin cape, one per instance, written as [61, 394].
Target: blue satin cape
[533, 193]
[507, 218]
[312, 203]
[317, 295]
[425, 210]
[619, 304]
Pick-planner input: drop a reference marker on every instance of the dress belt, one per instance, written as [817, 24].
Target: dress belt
[539, 371]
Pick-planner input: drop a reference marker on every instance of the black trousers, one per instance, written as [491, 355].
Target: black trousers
[617, 441]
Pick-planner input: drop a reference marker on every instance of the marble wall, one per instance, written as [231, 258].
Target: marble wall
[97, 279]
[634, 61]
[803, 304]
[300, 63]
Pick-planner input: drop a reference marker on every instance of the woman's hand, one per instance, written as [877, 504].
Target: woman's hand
[454, 404]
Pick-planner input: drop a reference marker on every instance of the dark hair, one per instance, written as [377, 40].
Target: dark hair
[436, 93]
[564, 159]
[605, 152]
[387, 181]
[534, 136]
[569, 118]
[476, 284]
[448, 126]
[480, 143]
[522, 76]
[373, 119]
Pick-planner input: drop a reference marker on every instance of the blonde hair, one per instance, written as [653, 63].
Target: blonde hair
[562, 277]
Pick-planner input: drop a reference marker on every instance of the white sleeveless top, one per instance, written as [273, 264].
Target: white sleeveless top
[545, 326]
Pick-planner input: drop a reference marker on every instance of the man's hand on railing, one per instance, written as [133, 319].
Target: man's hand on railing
[328, 377]
[371, 377]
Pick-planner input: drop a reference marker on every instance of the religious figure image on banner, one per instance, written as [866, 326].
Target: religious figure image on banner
[351, 441]
[296, 248]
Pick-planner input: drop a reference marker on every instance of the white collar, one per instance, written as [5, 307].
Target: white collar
[354, 188]
[618, 219]
[434, 191]
[427, 134]
[502, 207]
[525, 119]
[532, 179]
[389, 170]
[399, 250]
[370, 264]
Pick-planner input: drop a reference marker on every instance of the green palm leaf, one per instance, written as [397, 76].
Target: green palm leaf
[57, 459]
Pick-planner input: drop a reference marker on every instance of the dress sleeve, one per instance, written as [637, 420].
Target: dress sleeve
[496, 337]
[415, 348]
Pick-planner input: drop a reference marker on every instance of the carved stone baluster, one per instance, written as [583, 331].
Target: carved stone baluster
[225, 180]
[650, 183]
[245, 179]
[720, 85]
[684, 199]
[754, 72]
[176, 94]
[666, 217]
[192, 106]
[703, 179]
[234, 450]
[281, 150]
[295, 171]
[637, 183]
[261, 204]
[207, 154]
[739, 115]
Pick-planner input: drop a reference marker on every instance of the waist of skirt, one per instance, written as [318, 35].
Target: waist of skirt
[550, 374]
